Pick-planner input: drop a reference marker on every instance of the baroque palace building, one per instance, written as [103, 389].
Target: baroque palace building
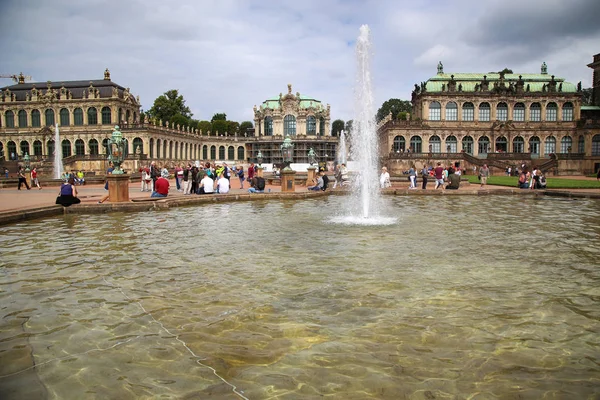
[502, 119]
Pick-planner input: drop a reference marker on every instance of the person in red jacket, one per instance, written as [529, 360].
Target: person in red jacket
[161, 188]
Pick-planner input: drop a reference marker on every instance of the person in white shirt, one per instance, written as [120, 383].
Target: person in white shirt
[223, 184]
[206, 185]
[384, 178]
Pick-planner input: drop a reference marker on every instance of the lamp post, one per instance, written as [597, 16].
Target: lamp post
[288, 183]
[26, 159]
[116, 155]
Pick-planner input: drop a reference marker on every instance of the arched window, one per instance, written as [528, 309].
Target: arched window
[158, 147]
[10, 119]
[78, 116]
[534, 145]
[66, 148]
[135, 117]
[567, 112]
[231, 153]
[535, 112]
[551, 112]
[451, 111]
[399, 144]
[501, 144]
[311, 125]
[268, 126]
[164, 150]
[416, 144]
[105, 145]
[519, 112]
[468, 112]
[176, 150]
[289, 125]
[566, 144]
[92, 116]
[49, 113]
[24, 146]
[79, 147]
[435, 144]
[1, 150]
[35, 119]
[518, 145]
[467, 144]
[483, 145]
[128, 115]
[37, 148]
[64, 117]
[50, 148]
[93, 145]
[321, 127]
[12, 150]
[151, 147]
[120, 116]
[581, 144]
[170, 149]
[451, 144]
[550, 145]
[213, 152]
[205, 152]
[22, 119]
[221, 152]
[502, 112]
[241, 153]
[484, 112]
[596, 145]
[106, 116]
[435, 111]
[126, 147]
[138, 143]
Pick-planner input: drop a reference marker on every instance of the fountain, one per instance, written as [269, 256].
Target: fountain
[58, 164]
[342, 153]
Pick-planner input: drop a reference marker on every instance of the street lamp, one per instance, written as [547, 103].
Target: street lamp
[287, 152]
[116, 155]
[259, 158]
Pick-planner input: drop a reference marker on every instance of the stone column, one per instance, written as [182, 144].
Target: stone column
[118, 188]
[259, 171]
[311, 176]
[288, 183]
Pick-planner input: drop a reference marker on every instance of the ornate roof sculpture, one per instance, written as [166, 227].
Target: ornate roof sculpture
[291, 103]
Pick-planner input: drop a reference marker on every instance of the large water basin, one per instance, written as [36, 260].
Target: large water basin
[462, 297]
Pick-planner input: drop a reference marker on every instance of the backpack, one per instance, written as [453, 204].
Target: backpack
[260, 183]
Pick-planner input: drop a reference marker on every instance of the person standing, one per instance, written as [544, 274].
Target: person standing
[146, 180]
[186, 183]
[154, 173]
[6, 172]
[22, 179]
[34, 179]
[424, 176]
[179, 177]
[240, 174]
[484, 173]
[109, 171]
[384, 178]
[438, 173]
[412, 176]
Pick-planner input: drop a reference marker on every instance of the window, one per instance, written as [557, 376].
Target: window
[551, 112]
[12, 150]
[435, 144]
[311, 125]
[221, 152]
[105, 145]
[35, 119]
[566, 144]
[501, 144]
[596, 145]
[567, 112]
[10, 119]
[241, 153]
[468, 112]
[322, 127]
[435, 111]
[519, 112]
[79, 147]
[151, 147]
[581, 144]
[502, 112]
[120, 116]
[483, 145]
[534, 145]
[213, 152]
[128, 115]
[451, 144]
[138, 143]
[535, 112]
[399, 144]
[78, 116]
[416, 144]
[484, 112]
[451, 111]
[550, 145]
[24, 145]
[50, 147]
[289, 125]
[231, 153]
[49, 114]
[106, 116]
[66, 148]
[518, 145]
[93, 145]
[37, 148]
[205, 152]
[467, 144]
[22, 119]
[268, 126]
[92, 116]
[64, 117]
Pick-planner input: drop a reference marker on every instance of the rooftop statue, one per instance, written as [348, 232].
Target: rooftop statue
[440, 68]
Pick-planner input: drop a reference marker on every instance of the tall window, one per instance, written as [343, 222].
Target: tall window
[36, 121]
[22, 119]
[596, 145]
[566, 144]
[467, 144]
[468, 112]
[534, 145]
[483, 145]
[213, 152]
[289, 125]
[231, 153]
[581, 144]
[106, 116]
[25, 147]
[268, 126]
[64, 117]
[551, 112]
[519, 112]
[93, 145]
[241, 153]
[66, 148]
[502, 112]
[50, 147]
[416, 144]
[37, 148]
[518, 145]
[435, 111]
[535, 112]
[78, 116]
[92, 116]
[451, 111]
[311, 125]
[321, 126]
[501, 144]
[127, 116]
[79, 147]
[484, 112]
[221, 152]
[550, 145]
[120, 115]
[10, 119]
[138, 143]
[567, 114]
[205, 152]
[435, 144]
[50, 118]
[399, 144]
[451, 144]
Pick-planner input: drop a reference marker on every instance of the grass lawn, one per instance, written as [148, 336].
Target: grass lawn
[551, 183]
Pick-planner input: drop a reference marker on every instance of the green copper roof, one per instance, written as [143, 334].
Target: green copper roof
[469, 80]
[590, 108]
[305, 102]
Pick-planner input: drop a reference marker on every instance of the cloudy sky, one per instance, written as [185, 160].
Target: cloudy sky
[228, 55]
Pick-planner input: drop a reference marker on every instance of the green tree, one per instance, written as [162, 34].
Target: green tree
[219, 127]
[219, 117]
[205, 127]
[180, 119]
[395, 106]
[506, 71]
[244, 126]
[233, 127]
[337, 126]
[587, 99]
[168, 105]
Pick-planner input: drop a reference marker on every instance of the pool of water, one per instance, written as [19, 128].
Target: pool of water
[462, 297]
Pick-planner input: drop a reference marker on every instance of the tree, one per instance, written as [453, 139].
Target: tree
[336, 127]
[244, 126]
[205, 127]
[219, 127]
[219, 117]
[505, 71]
[587, 99]
[233, 127]
[168, 105]
[180, 119]
[395, 106]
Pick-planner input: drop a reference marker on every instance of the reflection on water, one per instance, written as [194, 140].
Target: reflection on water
[464, 297]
